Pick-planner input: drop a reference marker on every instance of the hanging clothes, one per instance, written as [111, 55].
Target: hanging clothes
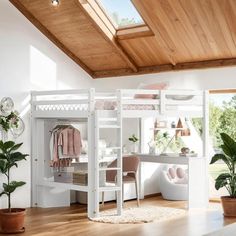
[69, 143]
[65, 145]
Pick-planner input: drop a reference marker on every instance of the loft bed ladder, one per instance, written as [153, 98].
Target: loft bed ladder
[103, 120]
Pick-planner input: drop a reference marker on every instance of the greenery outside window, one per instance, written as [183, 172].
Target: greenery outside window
[222, 112]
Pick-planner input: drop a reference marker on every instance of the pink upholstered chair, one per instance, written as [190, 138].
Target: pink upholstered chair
[130, 170]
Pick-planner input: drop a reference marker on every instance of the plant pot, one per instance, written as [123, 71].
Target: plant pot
[229, 206]
[12, 222]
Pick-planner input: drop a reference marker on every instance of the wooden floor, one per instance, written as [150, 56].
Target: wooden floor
[70, 221]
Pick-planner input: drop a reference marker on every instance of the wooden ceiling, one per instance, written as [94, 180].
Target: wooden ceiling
[182, 34]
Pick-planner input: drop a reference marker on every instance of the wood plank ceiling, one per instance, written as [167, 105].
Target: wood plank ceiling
[185, 34]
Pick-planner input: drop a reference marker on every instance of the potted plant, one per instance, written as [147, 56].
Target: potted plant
[134, 140]
[11, 219]
[228, 179]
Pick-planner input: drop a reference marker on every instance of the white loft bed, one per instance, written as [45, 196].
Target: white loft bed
[104, 110]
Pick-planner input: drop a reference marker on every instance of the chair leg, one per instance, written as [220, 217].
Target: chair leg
[137, 190]
[103, 196]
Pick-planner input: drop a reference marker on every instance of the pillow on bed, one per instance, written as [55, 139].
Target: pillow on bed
[157, 86]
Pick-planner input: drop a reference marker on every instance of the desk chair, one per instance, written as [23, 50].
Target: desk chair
[130, 170]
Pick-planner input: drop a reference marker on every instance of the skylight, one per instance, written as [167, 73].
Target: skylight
[122, 13]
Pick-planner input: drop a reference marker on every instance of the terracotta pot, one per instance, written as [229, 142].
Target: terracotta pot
[229, 206]
[12, 222]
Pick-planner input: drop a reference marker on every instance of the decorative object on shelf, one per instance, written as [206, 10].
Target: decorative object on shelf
[173, 125]
[227, 179]
[162, 142]
[9, 119]
[180, 126]
[185, 151]
[152, 147]
[161, 124]
[184, 129]
[11, 219]
[134, 141]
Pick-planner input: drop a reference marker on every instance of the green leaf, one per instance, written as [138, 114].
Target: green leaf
[3, 166]
[222, 180]
[220, 183]
[218, 157]
[10, 165]
[8, 144]
[1, 144]
[18, 156]
[227, 140]
[3, 193]
[15, 147]
[229, 145]
[227, 150]
[10, 188]
[3, 156]
[224, 176]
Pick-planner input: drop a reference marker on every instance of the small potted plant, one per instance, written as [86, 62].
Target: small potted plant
[228, 179]
[11, 219]
[134, 141]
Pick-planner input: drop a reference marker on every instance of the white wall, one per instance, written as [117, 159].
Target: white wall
[29, 61]
[217, 78]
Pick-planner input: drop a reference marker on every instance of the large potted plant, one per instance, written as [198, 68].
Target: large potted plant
[228, 179]
[11, 219]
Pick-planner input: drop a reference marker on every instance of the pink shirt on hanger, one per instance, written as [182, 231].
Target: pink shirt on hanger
[71, 143]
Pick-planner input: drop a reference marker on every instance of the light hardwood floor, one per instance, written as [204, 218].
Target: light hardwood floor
[70, 221]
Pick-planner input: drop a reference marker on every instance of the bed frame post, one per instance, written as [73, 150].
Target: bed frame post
[206, 140]
[34, 158]
[92, 211]
[119, 154]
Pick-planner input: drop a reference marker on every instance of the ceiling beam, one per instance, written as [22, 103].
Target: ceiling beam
[49, 35]
[168, 68]
[103, 25]
[147, 17]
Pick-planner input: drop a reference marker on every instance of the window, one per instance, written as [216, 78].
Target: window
[222, 113]
[122, 13]
[222, 119]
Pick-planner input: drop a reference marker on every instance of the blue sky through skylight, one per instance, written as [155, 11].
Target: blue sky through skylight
[121, 12]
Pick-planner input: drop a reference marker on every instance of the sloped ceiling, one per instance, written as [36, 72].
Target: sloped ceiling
[186, 34]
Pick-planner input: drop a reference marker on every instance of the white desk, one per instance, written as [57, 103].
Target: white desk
[197, 173]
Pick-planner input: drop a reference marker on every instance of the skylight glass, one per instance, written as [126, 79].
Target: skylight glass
[122, 13]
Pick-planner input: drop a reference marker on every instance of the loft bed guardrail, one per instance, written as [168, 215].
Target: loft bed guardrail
[134, 102]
